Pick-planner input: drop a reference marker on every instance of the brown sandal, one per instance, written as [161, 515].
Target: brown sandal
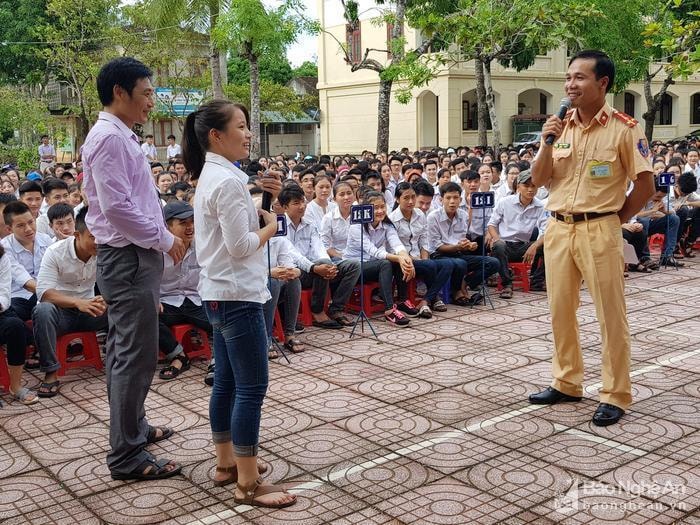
[233, 471]
[256, 490]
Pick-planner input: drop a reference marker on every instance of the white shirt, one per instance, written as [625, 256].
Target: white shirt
[377, 243]
[413, 233]
[43, 226]
[281, 253]
[314, 213]
[307, 241]
[515, 222]
[61, 270]
[443, 230]
[172, 151]
[180, 281]
[47, 153]
[25, 264]
[334, 230]
[149, 150]
[5, 282]
[228, 248]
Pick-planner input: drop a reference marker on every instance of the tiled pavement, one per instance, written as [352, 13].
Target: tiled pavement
[428, 425]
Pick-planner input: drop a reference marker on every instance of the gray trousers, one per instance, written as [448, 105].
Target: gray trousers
[129, 280]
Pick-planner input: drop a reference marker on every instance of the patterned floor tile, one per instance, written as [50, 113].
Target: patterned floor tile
[444, 406]
[686, 449]
[500, 390]
[47, 421]
[487, 338]
[70, 444]
[14, 460]
[349, 372]
[448, 501]
[514, 432]
[37, 495]
[186, 447]
[401, 359]
[674, 407]
[388, 426]
[358, 348]
[332, 406]
[517, 478]
[313, 360]
[395, 387]
[448, 373]
[406, 337]
[146, 503]
[293, 386]
[85, 476]
[661, 378]
[368, 516]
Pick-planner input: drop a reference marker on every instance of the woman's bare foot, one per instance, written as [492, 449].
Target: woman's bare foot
[273, 498]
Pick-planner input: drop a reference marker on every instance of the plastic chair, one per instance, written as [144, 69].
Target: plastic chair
[182, 333]
[521, 275]
[277, 329]
[656, 243]
[369, 307]
[305, 317]
[91, 352]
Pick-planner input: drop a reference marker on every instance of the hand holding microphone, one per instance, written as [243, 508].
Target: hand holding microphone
[553, 127]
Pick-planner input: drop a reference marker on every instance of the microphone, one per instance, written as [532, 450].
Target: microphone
[565, 105]
[266, 203]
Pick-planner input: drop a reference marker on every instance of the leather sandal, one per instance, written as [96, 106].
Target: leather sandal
[150, 468]
[153, 436]
[256, 490]
[233, 474]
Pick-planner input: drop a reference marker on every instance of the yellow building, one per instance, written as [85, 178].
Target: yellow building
[444, 113]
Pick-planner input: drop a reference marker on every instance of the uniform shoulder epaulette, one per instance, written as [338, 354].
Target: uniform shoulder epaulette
[624, 117]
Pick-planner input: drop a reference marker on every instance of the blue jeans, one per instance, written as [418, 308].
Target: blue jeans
[434, 273]
[240, 377]
[668, 226]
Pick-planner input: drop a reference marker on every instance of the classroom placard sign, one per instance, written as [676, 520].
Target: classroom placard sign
[362, 214]
[667, 179]
[281, 226]
[482, 199]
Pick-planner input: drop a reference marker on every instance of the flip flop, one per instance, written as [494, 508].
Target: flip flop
[49, 389]
[23, 396]
[328, 323]
[256, 490]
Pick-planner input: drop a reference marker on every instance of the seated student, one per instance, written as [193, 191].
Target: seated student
[179, 299]
[382, 247]
[412, 228]
[285, 289]
[26, 248]
[477, 218]
[507, 186]
[61, 220]
[457, 166]
[431, 168]
[179, 189]
[13, 335]
[75, 196]
[317, 270]
[320, 205]
[686, 205]
[335, 225]
[5, 199]
[65, 287]
[55, 192]
[32, 194]
[447, 237]
[425, 196]
[512, 223]
[633, 233]
[306, 182]
[656, 217]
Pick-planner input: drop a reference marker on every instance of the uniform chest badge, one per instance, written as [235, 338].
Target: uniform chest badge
[562, 145]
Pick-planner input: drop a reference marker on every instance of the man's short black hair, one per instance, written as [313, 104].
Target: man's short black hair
[54, 184]
[422, 187]
[179, 186]
[13, 208]
[469, 175]
[458, 160]
[29, 186]
[149, 136]
[604, 66]
[124, 72]
[80, 225]
[156, 164]
[450, 187]
[6, 198]
[171, 137]
[44, 137]
[59, 211]
[289, 194]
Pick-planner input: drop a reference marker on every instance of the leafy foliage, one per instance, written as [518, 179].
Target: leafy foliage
[306, 69]
[19, 20]
[273, 97]
[273, 68]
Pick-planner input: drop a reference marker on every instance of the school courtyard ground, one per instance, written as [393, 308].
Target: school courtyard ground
[429, 424]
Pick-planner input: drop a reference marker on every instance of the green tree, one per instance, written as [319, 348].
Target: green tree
[22, 119]
[273, 68]
[306, 69]
[79, 38]
[246, 29]
[19, 20]
[512, 33]
[273, 97]
[197, 15]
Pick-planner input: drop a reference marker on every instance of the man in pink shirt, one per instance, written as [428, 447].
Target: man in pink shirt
[125, 216]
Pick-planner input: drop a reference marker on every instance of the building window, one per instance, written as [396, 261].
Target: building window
[695, 109]
[466, 114]
[354, 43]
[664, 117]
[629, 104]
[543, 104]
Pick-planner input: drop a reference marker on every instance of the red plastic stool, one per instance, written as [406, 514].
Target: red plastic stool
[277, 330]
[4, 373]
[412, 292]
[521, 275]
[181, 332]
[369, 307]
[91, 351]
[305, 317]
[656, 243]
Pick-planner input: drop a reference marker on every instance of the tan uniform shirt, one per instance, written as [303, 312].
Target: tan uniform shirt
[591, 165]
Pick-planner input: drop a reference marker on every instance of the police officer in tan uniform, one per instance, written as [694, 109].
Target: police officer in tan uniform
[597, 151]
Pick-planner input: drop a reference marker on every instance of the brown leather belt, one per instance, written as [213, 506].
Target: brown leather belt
[571, 218]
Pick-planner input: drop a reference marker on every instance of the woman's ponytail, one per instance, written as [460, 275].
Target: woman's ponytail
[192, 151]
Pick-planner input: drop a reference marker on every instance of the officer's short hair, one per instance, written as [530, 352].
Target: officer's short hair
[604, 66]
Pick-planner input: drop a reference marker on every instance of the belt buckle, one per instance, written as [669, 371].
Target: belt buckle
[568, 218]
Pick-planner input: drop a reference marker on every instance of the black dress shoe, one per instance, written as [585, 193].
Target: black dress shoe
[607, 414]
[549, 396]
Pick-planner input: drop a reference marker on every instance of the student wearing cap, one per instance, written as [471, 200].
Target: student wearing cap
[180, 302]
[514, 220]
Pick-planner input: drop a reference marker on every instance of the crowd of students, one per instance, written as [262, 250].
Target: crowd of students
[424, 229]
